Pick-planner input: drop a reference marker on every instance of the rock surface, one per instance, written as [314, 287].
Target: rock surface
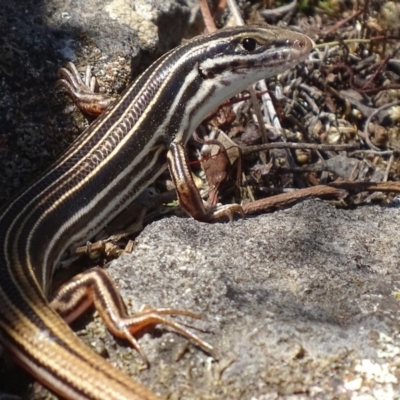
[302, 303]
[117, 38]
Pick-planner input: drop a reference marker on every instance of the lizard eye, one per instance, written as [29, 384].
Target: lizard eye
[249, 44]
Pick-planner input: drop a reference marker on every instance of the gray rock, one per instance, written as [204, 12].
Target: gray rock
[117, 38]
[301, 303]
